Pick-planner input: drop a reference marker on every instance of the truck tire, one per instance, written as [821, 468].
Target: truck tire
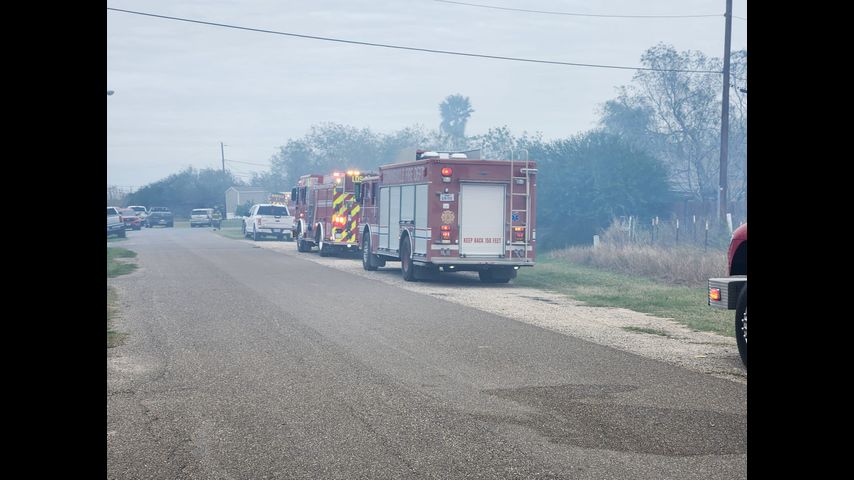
[407, 268]
[322, 247]
[368, 259]
[741, 325]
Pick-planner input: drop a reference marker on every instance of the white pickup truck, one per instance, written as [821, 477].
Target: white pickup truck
[115, 225]
[268, 219]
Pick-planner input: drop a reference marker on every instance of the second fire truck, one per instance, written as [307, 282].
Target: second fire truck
[326, 212]
[444, 211]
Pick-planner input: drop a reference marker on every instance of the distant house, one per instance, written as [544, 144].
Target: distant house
[239, 195]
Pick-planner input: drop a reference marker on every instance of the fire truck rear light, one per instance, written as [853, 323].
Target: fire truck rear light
[447, 171]
[445, 228]
[446, 235]
[715, 294]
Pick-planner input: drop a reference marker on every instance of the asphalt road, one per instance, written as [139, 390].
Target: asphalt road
[245, 363]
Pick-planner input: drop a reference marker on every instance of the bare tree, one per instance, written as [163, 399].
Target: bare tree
[676, 116]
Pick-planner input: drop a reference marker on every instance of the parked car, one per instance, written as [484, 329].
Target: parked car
[130, 219]
[268, 219]
[141, 211]
[159, 216]
[201, 217]
[115, 225]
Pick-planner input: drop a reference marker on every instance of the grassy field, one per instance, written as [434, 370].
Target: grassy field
[114, 269]
[114, 338]
[231, 229]
[684, 304]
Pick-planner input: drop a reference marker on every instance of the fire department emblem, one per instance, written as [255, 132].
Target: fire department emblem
[448, 217]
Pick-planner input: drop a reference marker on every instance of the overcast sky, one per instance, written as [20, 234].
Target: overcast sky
[182, 88]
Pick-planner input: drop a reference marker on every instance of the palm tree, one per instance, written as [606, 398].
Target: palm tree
[455, 111]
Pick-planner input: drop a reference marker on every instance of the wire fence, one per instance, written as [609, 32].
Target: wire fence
[691, 230]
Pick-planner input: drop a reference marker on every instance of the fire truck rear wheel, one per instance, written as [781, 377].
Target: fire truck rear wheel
[368, 259]
[741, 325]
[407, 268]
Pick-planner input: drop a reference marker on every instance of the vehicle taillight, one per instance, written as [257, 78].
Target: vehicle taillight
[519, 234]
[339, 221]
[445, 232]
[446, 174]
[715, 294]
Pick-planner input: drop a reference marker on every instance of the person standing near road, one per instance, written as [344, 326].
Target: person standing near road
[216, 219]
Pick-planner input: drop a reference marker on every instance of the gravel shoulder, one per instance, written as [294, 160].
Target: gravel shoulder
[703, 352]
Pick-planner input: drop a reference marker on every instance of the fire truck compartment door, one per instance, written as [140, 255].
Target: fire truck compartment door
[482, 219]
[384, 220]
[422, 230]
[394, 218]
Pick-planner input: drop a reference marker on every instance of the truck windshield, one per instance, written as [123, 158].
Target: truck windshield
[277, 210]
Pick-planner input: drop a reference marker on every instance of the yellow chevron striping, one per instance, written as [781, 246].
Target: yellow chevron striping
[340, 198]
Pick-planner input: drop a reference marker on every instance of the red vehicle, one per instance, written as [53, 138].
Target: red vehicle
[326, 212]
[130, 219]
[731, 292]
[445, 212]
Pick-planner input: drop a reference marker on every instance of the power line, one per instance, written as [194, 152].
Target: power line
[547, 12]
[246, 172]
[740, 18]
[247, 163]
[415, 49]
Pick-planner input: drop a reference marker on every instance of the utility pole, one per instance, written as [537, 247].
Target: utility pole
[222, 152]
[722, 191]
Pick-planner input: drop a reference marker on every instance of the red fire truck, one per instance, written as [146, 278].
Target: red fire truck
[447, 212]
[326, 212]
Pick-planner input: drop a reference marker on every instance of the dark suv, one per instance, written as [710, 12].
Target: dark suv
[159, 216]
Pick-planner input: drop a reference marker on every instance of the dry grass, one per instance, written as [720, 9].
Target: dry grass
[114, 338]
[685, 265]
